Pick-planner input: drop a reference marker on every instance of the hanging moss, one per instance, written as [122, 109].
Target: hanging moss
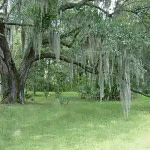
[56, 45]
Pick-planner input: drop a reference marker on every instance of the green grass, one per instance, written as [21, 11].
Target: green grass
[44, 124]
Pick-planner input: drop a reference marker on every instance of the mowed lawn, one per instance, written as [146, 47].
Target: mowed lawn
[44, 124]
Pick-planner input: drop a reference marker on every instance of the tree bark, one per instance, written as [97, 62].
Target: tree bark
[9, 88]
[13, 82]
[24, 69]
[8, 71]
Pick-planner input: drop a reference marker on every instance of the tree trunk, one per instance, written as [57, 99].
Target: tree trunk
[9, 88]
[27, 61]
[8, 71]
[22, 83]
[13, 82]
[13, 86]
[21, 92]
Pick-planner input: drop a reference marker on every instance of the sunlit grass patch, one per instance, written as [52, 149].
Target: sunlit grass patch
[82, 125]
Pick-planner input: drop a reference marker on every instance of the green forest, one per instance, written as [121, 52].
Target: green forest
[74, 74]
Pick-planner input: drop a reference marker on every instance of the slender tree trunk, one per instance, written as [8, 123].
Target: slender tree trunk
[24, 70]
[22, 83]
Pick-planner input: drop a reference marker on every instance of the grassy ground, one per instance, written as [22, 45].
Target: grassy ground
[81, 125]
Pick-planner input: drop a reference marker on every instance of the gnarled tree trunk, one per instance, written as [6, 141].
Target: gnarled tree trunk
[9, 74]
[9, 88]
[13, 82]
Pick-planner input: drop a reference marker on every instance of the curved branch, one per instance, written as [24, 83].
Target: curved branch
[83, 3]
[86, 68]
[99, 8]
[68, 60]
[73, 5]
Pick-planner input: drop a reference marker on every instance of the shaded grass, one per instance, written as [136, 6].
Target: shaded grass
[80, 125]
[40, 97]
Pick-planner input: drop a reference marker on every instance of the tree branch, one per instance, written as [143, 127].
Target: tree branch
[70, 32]
[142, 8]
[75, 31]
[86, 68]
[18, 24]
[137, 13]
[141, 93]
[65, 59]
[83, 3]
[13, 8]
[136, 10]
[72, 42]
[99, 8]
[73, 5]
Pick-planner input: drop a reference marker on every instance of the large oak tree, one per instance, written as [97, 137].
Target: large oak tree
[100, 37]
